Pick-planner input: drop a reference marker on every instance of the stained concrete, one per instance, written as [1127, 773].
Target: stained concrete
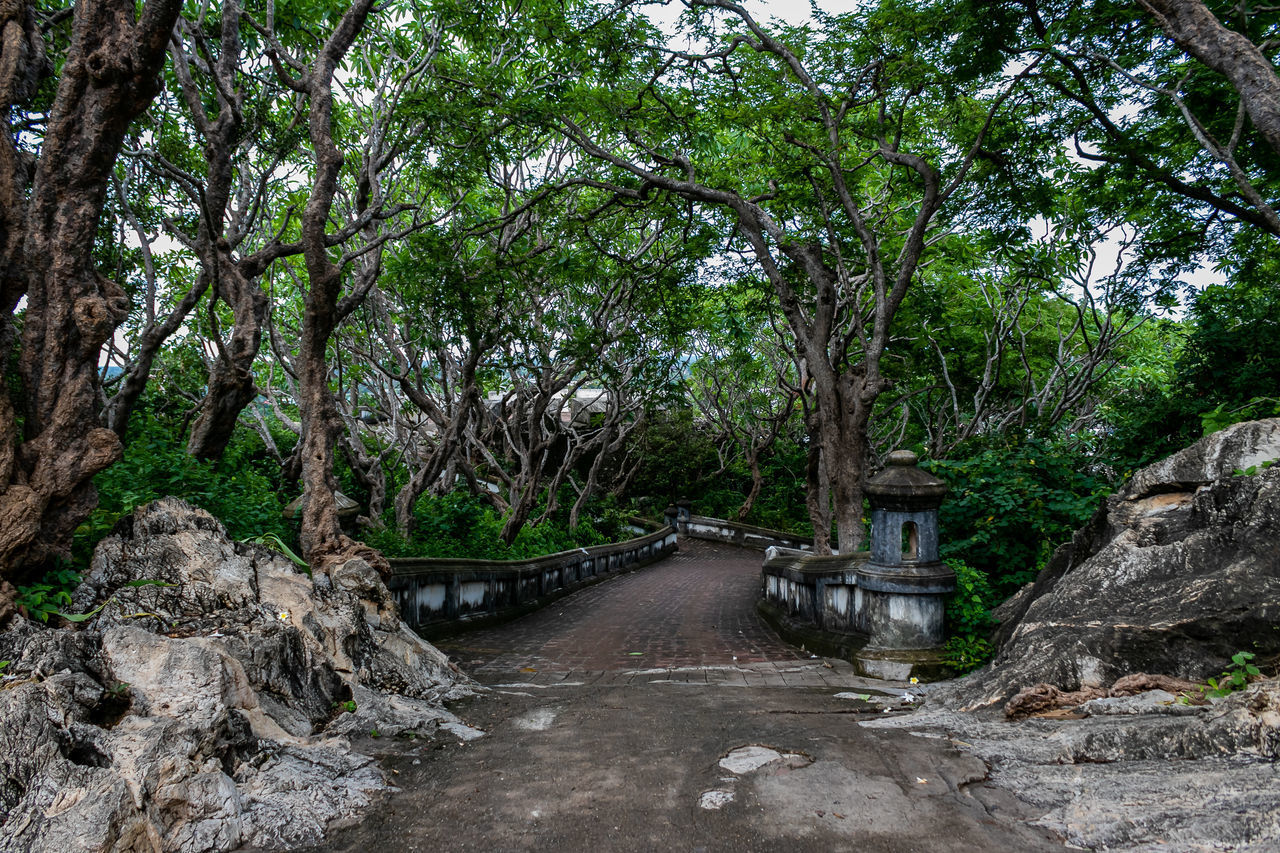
[658, 712]
[661, 766]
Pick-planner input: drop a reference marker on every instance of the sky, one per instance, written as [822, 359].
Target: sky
[792, 11]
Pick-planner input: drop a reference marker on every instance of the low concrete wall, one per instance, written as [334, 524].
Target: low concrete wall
[441, 597]
[841, 607]
[743, 535]
[822, 591]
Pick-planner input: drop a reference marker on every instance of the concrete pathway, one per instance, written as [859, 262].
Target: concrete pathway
[656, 712]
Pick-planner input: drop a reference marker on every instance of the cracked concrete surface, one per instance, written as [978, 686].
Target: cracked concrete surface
[662, 767]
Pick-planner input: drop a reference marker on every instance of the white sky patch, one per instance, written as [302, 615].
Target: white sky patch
[794, 12]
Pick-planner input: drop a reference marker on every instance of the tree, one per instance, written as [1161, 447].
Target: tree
[55, 174]
[375, 215]
[830, 155]
[744, 385]
[1157, 139]
[1195, 29]
[1022, 347]
[230, 183]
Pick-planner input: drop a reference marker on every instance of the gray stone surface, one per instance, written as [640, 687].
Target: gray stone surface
[1205, 780]
[686, 767]
[1174, 574]
[205, 709]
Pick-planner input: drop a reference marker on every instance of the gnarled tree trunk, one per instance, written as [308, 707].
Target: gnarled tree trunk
[323, 542]
[48, 228]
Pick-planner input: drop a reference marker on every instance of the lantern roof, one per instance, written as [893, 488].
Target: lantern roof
[904, 486]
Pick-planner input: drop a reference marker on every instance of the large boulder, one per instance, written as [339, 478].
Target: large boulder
[1173, 575]
[1138, 774]
[209, 702]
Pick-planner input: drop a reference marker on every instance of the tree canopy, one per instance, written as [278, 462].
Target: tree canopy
[546, 263]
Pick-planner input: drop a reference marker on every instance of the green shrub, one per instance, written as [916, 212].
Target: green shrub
[965, 654]
[239, 489]
[1233, 679]
[460, 525]
[51, 595]
[969, 620]
[1009, 507]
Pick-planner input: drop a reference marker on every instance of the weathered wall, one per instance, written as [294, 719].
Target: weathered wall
[441, 597]
[742, 535]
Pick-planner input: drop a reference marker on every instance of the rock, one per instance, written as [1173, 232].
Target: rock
[205, 706]
[1201, 779]
[1173, 575]
[1151, 702]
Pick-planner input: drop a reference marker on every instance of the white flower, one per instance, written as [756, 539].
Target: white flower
[908, 697]
[915, 680]
[283, 615]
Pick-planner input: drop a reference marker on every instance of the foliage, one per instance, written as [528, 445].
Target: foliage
[969, 620]
[1233, 679]
[237, 489]
[1226, 369]
[465, 526]
[48, 597]
[678, 461]
[274, 542]
[1010, 506]
[1219, 417]
[969, 607]
[1253, 469]
[965, 654]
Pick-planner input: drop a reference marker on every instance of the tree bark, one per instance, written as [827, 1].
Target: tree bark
[231, 385]
[1191, 25]
[109, 77]
[322, 539]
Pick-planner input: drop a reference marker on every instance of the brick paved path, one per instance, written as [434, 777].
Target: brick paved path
[579, 743]
[689, 618]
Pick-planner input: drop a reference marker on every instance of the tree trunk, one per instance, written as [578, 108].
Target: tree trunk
[323, 542]
[121, 406]
[231, 385]
[757, 479]
[109, 77]
[842, 408]
[818, 497]
[1195, 29]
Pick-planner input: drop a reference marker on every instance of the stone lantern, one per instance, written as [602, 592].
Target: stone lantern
[684, 514]
[903, 584]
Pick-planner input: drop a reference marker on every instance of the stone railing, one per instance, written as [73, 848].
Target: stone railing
[440, 597]
[822, 591]
[736, 533]
[838, 606]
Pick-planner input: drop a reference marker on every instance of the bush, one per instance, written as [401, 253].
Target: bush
[464, 526]
[679, 460]
[969, 620]
[237, 489]
[1009, 507]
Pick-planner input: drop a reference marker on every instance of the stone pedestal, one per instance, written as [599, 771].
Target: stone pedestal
[904, 585]
[905, 608]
